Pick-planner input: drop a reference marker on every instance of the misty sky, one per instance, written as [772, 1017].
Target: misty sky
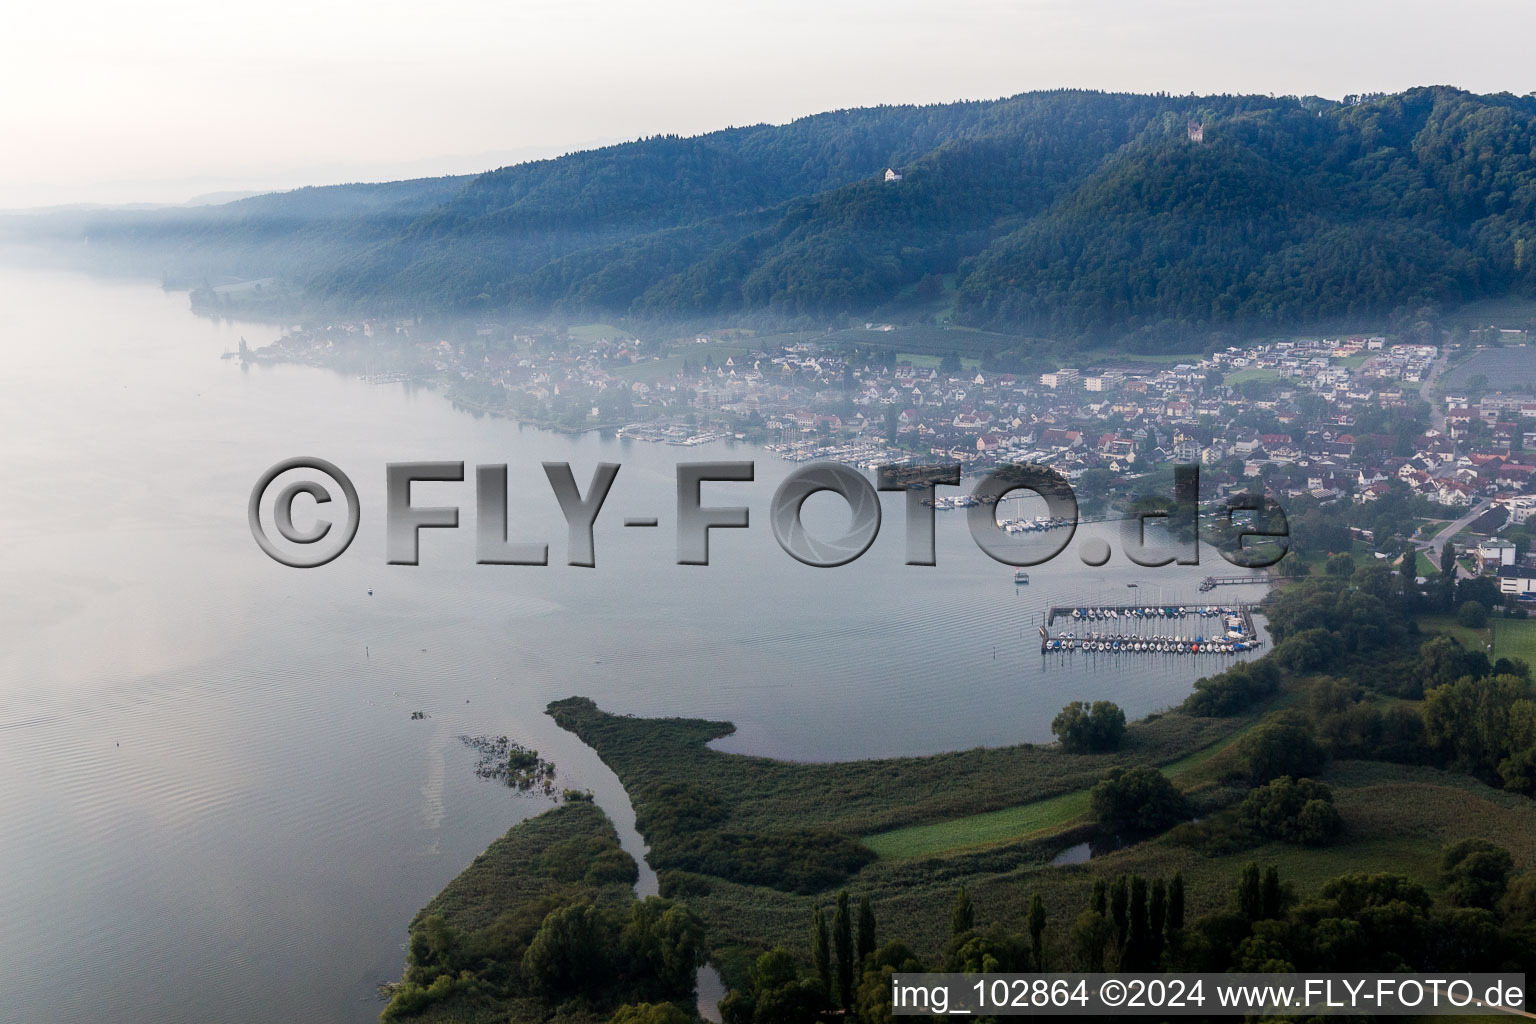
[159, 100]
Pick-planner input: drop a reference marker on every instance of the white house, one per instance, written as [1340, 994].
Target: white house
[1517, 580]
[1495, 554]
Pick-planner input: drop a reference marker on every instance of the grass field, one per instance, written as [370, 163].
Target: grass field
[1505, 311]
[1033, 820]
[669, 366]
[1256, 373]
[1171, 359]
[1510, 638]
[596, 332]
[981, 829]
[918, 359]
[1476, 639]
[931, 340]
[1514, 638]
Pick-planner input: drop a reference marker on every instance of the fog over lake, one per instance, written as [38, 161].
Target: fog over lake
[217, 804]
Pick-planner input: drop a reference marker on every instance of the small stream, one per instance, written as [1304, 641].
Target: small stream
[614, 800]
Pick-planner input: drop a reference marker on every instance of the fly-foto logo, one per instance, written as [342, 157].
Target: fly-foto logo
[1248, 530]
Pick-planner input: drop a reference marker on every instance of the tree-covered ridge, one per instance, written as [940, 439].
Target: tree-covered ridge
[1063, 214]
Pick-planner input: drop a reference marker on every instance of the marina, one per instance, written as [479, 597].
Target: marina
[1152, 629]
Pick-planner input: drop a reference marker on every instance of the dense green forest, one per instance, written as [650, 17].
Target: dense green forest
[1151, 221]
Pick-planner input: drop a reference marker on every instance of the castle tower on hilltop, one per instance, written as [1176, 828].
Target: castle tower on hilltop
[1196, 131]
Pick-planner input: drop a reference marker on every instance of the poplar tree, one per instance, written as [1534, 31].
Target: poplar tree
[963, 918]
[821, 953]
[866, 937]
[1250, 897]
[842, 942]
[1119, 911]
[1037, 930]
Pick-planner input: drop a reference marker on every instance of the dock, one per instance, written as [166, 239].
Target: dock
[1212, 582]
[1152, 629]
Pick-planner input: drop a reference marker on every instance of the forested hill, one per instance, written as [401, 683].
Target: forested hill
[1069, 215]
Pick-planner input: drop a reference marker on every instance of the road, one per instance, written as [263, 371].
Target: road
[1427, 389]
[1439, 540]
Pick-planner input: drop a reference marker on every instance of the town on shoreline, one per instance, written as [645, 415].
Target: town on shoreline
[1339, 422]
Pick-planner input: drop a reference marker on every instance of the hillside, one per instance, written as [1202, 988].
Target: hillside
[1079, 216]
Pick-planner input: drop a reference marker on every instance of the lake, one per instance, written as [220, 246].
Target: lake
[217, 802]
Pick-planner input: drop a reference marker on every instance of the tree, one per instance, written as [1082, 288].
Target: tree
[1482, 725]
[874, 995]
[1342, 564]
[1157, 915]
[1271, 896]
[1307, 651]
[962, 918]
[1090, 933]
[649, 1013]
[664, 941]
[1250, 893]
[1138, 939]
[570, 949]
[842, 943]
[1036, 922]
[1082, 728]
[1120, 910]
[1472, 615]
[1176, 904]
[1442, 661]
[866, 937]
[1519, 903]
[1475, 872]
[1296, 810]
[778, 995]
[1280, 748]
[821, 953]
[1137, 800]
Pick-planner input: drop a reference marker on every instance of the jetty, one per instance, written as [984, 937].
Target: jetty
[1151, 629]
[1212, 582]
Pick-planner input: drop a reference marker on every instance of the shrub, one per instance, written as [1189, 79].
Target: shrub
[612, 866]
[1472, 615]
[592, 859]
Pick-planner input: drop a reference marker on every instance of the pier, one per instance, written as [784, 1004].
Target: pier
[1212, 582]
[1152, 629]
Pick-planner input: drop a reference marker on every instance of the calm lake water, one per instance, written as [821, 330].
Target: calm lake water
[216, 803]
